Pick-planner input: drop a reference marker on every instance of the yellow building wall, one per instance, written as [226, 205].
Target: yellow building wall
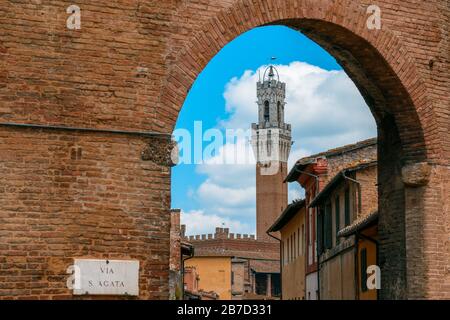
[214, 274]
[293, 271]
[371, 252]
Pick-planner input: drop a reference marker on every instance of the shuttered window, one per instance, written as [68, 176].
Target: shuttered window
[320, 231]
[364, 270]
[347, 206]
[328, 227]
[337, 215]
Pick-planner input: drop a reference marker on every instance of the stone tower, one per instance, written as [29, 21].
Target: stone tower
[271, 142]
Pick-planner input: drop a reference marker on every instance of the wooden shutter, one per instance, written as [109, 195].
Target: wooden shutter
[347, 206]
[320, 231]
[337, 214]
[328, 226]
[364, 269]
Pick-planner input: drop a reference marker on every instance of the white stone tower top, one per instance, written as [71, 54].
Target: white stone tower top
[271, 136]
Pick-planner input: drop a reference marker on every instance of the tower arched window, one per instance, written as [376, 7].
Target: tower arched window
[266, 111]
[279, 111]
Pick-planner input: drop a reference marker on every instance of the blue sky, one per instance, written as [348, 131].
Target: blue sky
[223, 97]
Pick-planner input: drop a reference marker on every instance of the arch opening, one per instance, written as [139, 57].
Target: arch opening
[400, 133]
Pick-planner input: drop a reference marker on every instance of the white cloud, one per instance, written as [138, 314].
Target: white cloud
[296, 192]
[215, 194]
[197, 222]
[324, 107]
[325, 110]
[232, 160]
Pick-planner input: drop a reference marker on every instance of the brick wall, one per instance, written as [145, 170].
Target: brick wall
[368, 185]
[222, 242]
[131, 66]
[104, 203]
[175, 276]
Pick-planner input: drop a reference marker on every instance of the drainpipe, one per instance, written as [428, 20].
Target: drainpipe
[311, 175]
[183, 260]
[281, 264]
[356, 268]
[316, 177]
[358, 186]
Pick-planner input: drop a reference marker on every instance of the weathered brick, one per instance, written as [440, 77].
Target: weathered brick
[96, 78]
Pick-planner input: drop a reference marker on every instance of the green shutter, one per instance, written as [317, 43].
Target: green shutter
[347, 207]
[337, 211]
[320, 231]
[364, 270]
[328, 226]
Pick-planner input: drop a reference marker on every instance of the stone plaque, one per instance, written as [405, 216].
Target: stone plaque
[106, 277]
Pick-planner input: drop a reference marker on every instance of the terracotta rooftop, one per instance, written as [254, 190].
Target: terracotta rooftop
[339, 178]
[223, 252]
[359, 224]
[303, 162]
[265, 266]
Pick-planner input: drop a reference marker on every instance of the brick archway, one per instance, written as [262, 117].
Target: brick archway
[388, 78]
[81, 177]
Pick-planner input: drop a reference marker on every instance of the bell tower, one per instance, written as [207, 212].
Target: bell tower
[271, 142]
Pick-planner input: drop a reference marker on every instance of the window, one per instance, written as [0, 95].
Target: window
[364, 269]
[292, 248]
[275, 284]
[266, 111]
[288, 250]
[295, 245]
[347, 206]
[299, 244]
[310, 227]
[320, 231]
[328, 237]
[337, 213]
[303, 239]
[261, 283]
[279, 112]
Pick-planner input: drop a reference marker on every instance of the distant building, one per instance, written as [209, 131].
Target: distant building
[191, 286]
[236, 266]
[313, 173]
[213, 274]
[291, 225]
[347, 232]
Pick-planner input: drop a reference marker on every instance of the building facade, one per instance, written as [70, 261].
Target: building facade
[192, 290]
[253, 271]
[347, 200]
[291, 226]
[313, 174]
[213, 274]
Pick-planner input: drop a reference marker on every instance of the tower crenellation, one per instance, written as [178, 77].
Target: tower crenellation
[219, 234]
